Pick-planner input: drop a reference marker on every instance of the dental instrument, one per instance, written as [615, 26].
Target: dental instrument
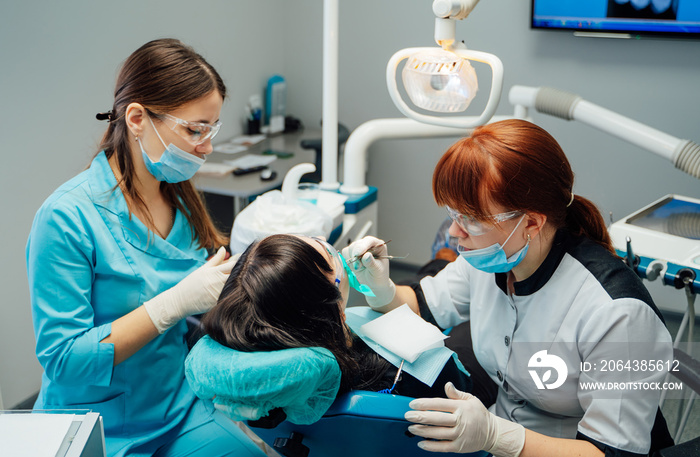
[370, 250]
[396, 379]
[376, 256]
[389, 257]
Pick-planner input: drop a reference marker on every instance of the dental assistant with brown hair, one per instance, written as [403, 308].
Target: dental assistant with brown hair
[547, 299]
[116, 260]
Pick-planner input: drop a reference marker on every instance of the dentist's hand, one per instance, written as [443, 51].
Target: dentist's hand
[196, 293]
[462, 424]
[370, 271]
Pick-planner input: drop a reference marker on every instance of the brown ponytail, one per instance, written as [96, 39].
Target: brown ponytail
[518, 166]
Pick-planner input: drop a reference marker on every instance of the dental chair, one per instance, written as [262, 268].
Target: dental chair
[358, 423]
[288, 398]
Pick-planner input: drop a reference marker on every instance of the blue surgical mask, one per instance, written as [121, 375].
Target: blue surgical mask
[492, 259]
[175, 165]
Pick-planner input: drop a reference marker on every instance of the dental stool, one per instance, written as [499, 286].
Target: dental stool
[288, 399]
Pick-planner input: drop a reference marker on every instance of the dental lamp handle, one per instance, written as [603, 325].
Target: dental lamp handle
[465, 122]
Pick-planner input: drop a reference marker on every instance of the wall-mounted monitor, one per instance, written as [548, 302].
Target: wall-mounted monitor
[623, 18]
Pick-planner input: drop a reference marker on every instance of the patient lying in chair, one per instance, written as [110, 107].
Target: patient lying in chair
[290, 292]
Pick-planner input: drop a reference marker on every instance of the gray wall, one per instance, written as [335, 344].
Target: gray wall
[59, 64]
[59, 61]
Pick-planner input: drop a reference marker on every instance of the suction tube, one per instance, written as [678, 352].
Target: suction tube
[687, 158]
[684, 154]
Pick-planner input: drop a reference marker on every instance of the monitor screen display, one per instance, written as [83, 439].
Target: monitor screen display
[672, 216]
[676, 18]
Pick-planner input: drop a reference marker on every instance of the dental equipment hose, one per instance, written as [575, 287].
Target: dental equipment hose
[396, 379]
[684, 154]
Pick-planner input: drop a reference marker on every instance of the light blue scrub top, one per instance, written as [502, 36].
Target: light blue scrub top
[89, 264]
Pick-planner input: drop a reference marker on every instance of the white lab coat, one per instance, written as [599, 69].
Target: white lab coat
[583, 305]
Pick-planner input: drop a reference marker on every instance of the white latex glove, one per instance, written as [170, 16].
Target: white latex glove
[462, 424]
[196, 293]
[370, 271]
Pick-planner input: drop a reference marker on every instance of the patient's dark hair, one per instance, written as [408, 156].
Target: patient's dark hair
[280, 295]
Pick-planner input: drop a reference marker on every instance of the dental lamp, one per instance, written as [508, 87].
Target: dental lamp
[442, 79]
[439, 79]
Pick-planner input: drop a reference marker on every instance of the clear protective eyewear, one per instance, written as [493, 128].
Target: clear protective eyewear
[194, 133]
[342, 268]
[336, 256]
[475, 227]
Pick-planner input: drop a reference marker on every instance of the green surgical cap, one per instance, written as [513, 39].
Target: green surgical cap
[247, 385]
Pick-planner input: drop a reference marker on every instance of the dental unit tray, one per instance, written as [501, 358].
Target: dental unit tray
[665, 240]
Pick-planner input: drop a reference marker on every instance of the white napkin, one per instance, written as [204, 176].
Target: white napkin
[404, 333]
[426, 368]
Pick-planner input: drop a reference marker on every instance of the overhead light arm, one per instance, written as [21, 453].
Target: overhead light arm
[447, 12]
[684, 154]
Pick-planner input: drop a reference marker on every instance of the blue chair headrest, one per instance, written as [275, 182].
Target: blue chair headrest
[303, 382]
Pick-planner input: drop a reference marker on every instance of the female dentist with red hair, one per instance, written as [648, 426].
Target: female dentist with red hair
[542, 287]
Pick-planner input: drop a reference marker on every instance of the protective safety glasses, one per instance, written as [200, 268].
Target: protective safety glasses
[195, 133]
[474, 227]
[336, 256]
[342, 268]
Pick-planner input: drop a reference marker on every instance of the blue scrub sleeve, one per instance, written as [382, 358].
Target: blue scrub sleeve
[60, 269]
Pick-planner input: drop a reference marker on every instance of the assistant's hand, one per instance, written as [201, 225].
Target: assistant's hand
[196, 293]
[370, 271]
[462, 424]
